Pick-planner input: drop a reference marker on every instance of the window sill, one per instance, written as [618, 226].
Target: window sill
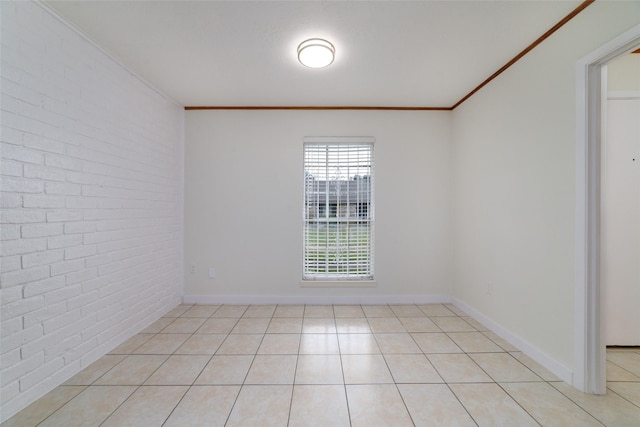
[338, 284]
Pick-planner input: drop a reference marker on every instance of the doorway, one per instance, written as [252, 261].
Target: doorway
[590, 347]
[620, 204]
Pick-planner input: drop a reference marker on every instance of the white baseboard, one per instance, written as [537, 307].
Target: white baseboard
[555, 367]
[306, 299]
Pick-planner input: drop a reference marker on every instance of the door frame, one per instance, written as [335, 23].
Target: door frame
[589, 347]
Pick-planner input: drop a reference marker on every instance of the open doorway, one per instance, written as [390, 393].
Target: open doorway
[620, 204]
[590, 346]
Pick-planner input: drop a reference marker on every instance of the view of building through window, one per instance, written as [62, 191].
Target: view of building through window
[338, 211]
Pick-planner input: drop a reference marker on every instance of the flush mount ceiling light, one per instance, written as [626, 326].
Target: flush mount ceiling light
[316, 53]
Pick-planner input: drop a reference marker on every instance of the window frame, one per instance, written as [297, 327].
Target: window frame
[340, 280]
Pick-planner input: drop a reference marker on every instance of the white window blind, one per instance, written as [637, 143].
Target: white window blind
[338, 209]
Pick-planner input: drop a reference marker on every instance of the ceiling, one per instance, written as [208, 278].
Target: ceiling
[388, 53]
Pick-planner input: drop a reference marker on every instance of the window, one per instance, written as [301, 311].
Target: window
[338, 209]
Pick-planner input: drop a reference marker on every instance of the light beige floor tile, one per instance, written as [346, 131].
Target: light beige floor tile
[629, 391]
[201, 311]
[131, 344]
[400, 343]
[616, 373]
[455, 310]
[358, 344]
[162, 344]
[240, 344]
[385, 324]
[474, 342]
[251, 325]
[261, 406]
[348, 311]
[458, 368]
[365, 369]
[377, 311]
[178, 370]
[319, 369]
[319, 406]
[94, 371]
[89, 408]
[158, 325]
[377, 405]
[419, 324]
[325, 311]
[473, 322]
[609, 409]
[148, 406]
[217, 325]
[352, 325]
[233, 311]
[504, 344]
[434, 405]
[435, 342]
[33, 414]
[285, 325]
[489, 405]
[260, 311]
[178, 310]
[452, 324]
[272, 369]
[408, 310]
[289, 311]
[225, 370]
[280, 344]
[201, 344]
[134, 370]
[412, 368]
[184, 325]
[204, 406]
[540, 370]
[434, 310]
[548, 406]
[318, 325]
[628, 360]
[319, 344]
[502, 367]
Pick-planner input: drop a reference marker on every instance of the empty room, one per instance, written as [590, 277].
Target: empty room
[320, 213]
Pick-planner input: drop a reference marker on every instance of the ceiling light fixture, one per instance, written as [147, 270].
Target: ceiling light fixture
[316, 53]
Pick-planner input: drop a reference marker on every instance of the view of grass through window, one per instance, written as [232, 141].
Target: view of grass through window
[338, 212]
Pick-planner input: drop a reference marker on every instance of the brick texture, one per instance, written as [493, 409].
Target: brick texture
[91, 182]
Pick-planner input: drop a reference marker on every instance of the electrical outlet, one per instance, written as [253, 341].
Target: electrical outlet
[489, 288]
[192, 268]
[212, 273]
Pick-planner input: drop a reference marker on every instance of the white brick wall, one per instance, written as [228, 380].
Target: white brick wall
[91, 225]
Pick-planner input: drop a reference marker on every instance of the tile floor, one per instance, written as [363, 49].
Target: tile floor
[330, 366]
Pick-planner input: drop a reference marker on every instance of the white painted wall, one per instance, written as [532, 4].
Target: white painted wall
[91, 180]
[244, 195]
[514, 188]
[620, 206]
